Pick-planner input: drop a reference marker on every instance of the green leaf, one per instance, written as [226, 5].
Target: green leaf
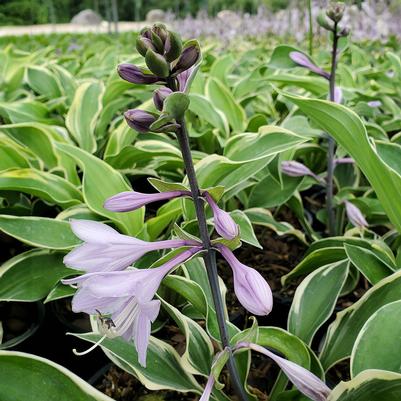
[281, 59]
[46, 186]
[36, 137]
[315, 299]
[367, 263]
[10, 156]
[263, 217]
[378, 343]
[82, 116]
[31, 275]
[343, 332]
[203, 108]
[163, 371]
[223, 99]
[271, 193]
[198, 354]
[100, 182]
[269, 140]
[349, 132]
[32, 378]
[43, 81]
[370, 385]
[40, 232]
[246, 230]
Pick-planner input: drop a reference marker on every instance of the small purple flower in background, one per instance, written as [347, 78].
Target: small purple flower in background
[250, 287]
[123, 300]
[306, 382]
[354, 215]
[375, 103]
[303, 61]
[338, 95]
[139, 120]
[136, 75]
[131, 200]
[105, 249]
[293, 168]
[223, 222]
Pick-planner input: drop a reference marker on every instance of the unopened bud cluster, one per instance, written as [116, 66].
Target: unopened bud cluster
[169, 63]
[332, 17]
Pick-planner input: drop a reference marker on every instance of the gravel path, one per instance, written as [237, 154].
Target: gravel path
[66, 28]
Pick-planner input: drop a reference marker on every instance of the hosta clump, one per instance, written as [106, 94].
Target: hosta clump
[123, 297]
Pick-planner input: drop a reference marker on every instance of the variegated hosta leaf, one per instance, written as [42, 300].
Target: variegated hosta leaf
[100, 182]
[164, 369]
[30, 276]
[315, 299]
[378, 343]
[198, 354]
[343, 332]
[41, 232]
[82, 116]
[370, 385]
[30, 377]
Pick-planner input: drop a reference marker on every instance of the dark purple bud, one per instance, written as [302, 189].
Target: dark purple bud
[146, 32]
[303, 61]
[135, 75]
[161, 31]
[139, 120]
[159, 95]
[188, 58]
[143, 44]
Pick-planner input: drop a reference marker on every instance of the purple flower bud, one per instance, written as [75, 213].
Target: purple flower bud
[250, 287]
[159, 95]
[139, 120]
[344, 160]
[306, 382]
[207, 392]
[354, 215]
[189, 57]
[143, 44]
[375, 103]
[135, 75]
[223, 222]
[296, 169]
[131, 200]
[303, 61]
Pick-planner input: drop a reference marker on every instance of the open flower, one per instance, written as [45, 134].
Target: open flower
[123, 300]
[250, 287]
[306, 382]
[131, 200]
[223, 222]
[105, 249]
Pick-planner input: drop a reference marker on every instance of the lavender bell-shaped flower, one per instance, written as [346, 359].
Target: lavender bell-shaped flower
[105, 249]
[131, 200]
[305, 381]
[139, 120]
[223, 222]
[354, 215]
[136, 75]
[123, 300]
[250, 287]
[303, 61]
[293, 168]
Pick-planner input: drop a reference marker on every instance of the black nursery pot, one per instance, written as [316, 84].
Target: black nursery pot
[20, 321]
